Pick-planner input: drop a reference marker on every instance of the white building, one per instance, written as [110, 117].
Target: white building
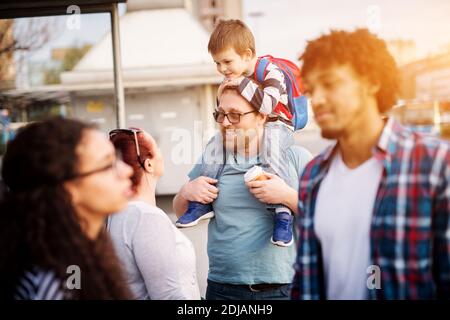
[169, 79]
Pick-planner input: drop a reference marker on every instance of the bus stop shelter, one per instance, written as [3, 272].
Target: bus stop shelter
[37, 8]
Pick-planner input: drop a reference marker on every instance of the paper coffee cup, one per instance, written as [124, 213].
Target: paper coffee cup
[256, 173]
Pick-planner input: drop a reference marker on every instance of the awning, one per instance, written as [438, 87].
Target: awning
[36, 8]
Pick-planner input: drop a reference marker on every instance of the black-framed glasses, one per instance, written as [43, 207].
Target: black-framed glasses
[233, 117]
[112, 166]
[133, 132]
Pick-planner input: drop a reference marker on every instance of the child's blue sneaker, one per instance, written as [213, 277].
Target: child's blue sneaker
[196, 211]
[282, 231]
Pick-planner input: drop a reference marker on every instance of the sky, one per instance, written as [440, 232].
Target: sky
[286, 25]
[282, 27]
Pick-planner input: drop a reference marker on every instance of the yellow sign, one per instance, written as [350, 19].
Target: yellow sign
[95, 106]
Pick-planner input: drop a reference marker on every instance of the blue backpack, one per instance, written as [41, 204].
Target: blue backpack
[297, 110]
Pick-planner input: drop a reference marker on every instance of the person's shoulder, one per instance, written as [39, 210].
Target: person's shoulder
[151, 215]
[299, 153]
[138, 215]
[141, 210]
[429, 146]
[148, 220]
[315, 164]
[274, 69]
[298, 157]
[431, 142]
[437, 149]
[129, 217]
[298, 149]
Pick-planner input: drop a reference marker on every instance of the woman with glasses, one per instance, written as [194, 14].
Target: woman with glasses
[63, 179]
[158, 258]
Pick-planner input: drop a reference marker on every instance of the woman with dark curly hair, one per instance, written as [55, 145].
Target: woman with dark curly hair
[62, 178]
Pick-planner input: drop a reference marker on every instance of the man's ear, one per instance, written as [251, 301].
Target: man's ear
[263, 117]
[372, 88]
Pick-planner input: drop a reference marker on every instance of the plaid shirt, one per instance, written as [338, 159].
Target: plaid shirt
[410, 227]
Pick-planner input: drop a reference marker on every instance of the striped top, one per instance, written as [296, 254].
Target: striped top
[36, 284]
[272, 93]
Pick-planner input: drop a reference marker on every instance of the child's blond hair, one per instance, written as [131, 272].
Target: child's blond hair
[231, 34]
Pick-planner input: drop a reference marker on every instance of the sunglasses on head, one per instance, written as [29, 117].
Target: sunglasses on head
[133, 132]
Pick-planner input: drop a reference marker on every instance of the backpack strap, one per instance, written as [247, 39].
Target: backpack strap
[261, 66]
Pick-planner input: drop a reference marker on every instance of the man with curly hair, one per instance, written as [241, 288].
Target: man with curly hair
[374, 209]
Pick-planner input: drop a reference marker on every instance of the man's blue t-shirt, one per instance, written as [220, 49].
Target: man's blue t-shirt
[239, 247]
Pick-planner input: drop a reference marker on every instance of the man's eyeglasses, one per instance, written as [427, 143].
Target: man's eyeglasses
[233, 117]
[133, 132]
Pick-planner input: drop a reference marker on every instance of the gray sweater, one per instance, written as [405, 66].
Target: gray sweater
[158, 259]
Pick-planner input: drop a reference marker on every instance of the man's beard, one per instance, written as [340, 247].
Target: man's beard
[331, 134]
[238, 139]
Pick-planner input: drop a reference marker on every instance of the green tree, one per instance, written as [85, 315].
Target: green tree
[70, 57]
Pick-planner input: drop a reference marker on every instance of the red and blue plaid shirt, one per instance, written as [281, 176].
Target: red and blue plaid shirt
[410, 227]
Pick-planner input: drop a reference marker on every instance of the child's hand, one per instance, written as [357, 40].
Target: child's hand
[233, 82]
[201, 190]
[229, 83]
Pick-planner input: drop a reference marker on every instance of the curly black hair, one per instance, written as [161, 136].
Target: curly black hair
[365, 52]
[39, 227]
